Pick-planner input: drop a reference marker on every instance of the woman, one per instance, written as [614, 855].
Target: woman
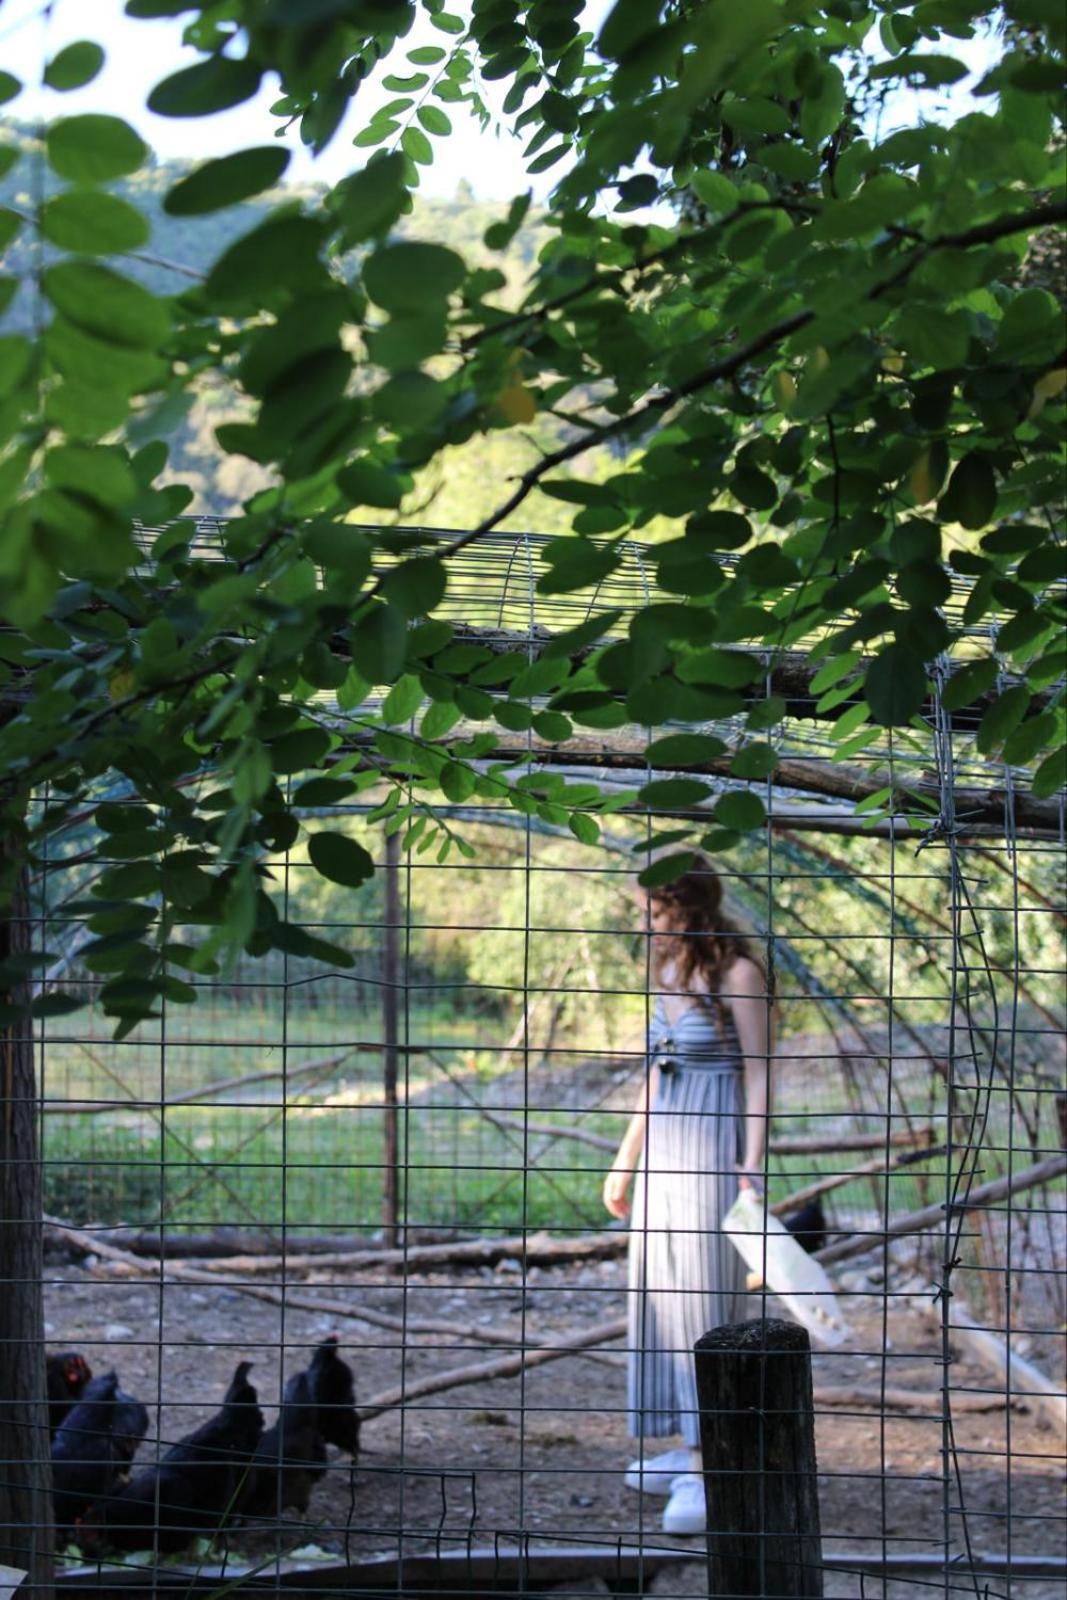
[697, 1135]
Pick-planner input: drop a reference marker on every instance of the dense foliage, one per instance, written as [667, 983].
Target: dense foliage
[830, 372]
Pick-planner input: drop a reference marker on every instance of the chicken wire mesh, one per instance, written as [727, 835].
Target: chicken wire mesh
[407, 1155]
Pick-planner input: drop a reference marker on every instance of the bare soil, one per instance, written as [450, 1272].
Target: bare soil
[542, 1455]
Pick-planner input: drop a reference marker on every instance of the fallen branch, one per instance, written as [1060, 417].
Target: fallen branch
[536, 1249]
[135, 1266]
[192, 1096]
[490, 1371]
[906, 1400]
[1022, 1380]
[878, 1168]
[932, 1216]
[835, 1143]
[599, 1141]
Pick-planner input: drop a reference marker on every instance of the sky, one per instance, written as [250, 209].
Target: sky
[140, 53]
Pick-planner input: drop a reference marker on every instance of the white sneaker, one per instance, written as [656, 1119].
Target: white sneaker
[656, 1474]
[686, 1511]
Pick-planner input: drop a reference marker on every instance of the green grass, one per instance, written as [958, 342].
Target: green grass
[319, 1165]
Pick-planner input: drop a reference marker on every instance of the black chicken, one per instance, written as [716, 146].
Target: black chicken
[808, 1226]
[334, 1392]
[93, 1446]
[318, 1407]
[66, 1374]
[193, 1488]
[290, 1458]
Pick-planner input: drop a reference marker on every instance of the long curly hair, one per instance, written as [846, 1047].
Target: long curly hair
[697, 957]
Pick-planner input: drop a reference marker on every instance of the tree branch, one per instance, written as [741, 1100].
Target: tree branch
[983, 233]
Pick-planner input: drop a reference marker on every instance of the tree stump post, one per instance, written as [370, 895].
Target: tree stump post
[757, 1433]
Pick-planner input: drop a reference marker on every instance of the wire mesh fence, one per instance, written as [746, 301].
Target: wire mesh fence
[407, 1153]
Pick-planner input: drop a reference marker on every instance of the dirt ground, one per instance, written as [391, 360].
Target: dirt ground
[542, 1455]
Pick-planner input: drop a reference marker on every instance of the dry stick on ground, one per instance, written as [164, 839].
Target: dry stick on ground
[928, 1217]
[538, 1249]
[878, 1168]
[488, 1371]
[138, 1266]
[1022, 1380]
[907, 1400]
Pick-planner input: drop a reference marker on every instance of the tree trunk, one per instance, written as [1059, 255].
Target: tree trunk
[25, 1468]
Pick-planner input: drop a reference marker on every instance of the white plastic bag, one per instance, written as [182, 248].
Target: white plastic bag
[769, 1249]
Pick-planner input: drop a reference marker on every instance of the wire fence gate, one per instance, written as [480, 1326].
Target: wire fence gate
[404, 1155]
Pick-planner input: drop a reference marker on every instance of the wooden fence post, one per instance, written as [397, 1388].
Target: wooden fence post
[757, 1433]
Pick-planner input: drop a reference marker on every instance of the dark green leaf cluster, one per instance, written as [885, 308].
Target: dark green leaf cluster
[818, 370]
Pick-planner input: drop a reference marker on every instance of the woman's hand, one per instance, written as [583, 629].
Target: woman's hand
[750, 1178]
[616, 1187]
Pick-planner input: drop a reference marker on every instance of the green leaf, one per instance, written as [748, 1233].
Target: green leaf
[439, 719]
[379, 643]
[895, 687]
[410, 401]
[93, 148]
[417, 586]
[340, 859]
[282, 252]
[552, 725]
[457, 782]
[106, 304]
[754, 761]
[1032, 736]
[932, 336]
[56, 1005]
[366, 483]
[575, 564]
[434, 120]
[403, 699]
[968, 682]
[1002, 718]
[95, 470]
[684, 750]
[665, 870]
[74, 66]
[93, 223]
[226, 181]
[9, 87]
[740, 810]
[719, 530]
[971, 496]
[407, 275]
[206, 87]
[370, 201]
[1051, 776]
[296, 751]
[672, 793]
[584, 827]
[732, 669]
[417, 147]
[927, 71]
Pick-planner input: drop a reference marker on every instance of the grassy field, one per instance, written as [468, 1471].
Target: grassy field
[315, 1163]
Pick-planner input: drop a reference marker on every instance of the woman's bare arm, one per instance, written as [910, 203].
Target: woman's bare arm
[617, 1182]
[746, 995]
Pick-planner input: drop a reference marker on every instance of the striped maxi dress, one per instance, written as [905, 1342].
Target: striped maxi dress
[685, 1275]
